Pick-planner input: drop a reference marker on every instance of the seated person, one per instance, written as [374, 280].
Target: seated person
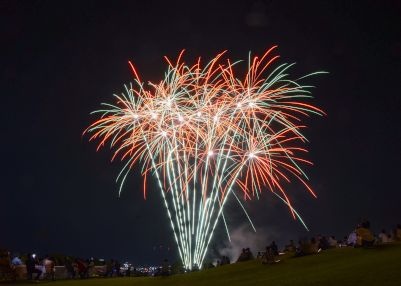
[16, 261]
[352, 239]
[383, 237]
[245, 255]
[290, 247]
[310, 246]
[364, 236]
[268, 257]
[249, 254]
[332, 241]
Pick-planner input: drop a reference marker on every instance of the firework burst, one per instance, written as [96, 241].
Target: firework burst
[206, 134]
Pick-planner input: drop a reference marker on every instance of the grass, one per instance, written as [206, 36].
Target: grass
[344, 266]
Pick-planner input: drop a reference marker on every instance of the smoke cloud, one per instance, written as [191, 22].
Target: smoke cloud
[245, 237]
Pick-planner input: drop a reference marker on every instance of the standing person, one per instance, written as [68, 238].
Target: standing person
[31, 267]
[49, 267]
[165, 267]
[397, 233]
[70, 268]
[117, 267]
[91, 267]
[82, 268]
[274, 248]
[109, 268]
[128, 271]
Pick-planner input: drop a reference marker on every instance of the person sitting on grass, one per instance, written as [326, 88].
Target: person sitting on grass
[332, 241]
[290, 247]
[365, 237]
[383, 237]
[352, 239]
[245, 255]
[16, 261]
[268, 257]
[307, 247]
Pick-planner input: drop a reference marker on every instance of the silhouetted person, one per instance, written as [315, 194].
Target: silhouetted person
[274, 248]
[109, 268]
[70, 268]
[165, 266]
[397, 233]
[224, 260]
[323, 243]
[128, 271]
[82, 268]
[117, 267]
[268, 256]
[332, 241]
[366, 224]
[249, 254]
[31, 267]
[290, 247]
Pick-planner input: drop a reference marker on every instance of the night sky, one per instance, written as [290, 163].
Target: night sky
[61, 59]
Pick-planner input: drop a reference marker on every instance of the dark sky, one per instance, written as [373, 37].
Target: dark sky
[60, 59]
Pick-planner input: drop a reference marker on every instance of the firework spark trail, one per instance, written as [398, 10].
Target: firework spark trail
[203, 132]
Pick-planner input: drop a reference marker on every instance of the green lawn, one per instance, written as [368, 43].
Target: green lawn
[337, 267]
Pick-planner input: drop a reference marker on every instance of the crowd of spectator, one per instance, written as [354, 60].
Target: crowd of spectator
[45, 267]
[361, 236]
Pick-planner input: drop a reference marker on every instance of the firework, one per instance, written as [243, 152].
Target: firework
[206, 135]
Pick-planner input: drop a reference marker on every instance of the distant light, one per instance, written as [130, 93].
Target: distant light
[154, 115]
[251, 155]
[210, 153]
[180, 118]
[164, 133]
[251, 104]
[215, 118]
[199, 114]
[168, 103]
[136, 116]
[239, 104]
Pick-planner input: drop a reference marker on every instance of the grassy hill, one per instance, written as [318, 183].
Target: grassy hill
[337, 267]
